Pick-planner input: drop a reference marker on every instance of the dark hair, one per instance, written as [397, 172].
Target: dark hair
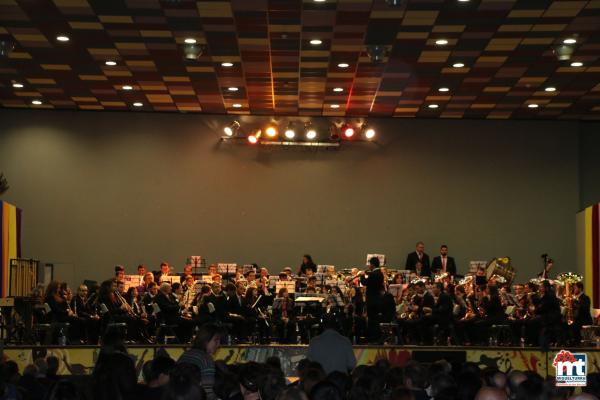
[175, 286]
[53, 364]
[230, 286]
[150, 285]
[324, 391]
[443, 246]
[440, 286]
[580, 286]
[114, 377]
[374, 262]
[184, 383]
[204, 335]
[64, 390]
[417, 374]
[119, 268]
[160, 365]
[309, 258]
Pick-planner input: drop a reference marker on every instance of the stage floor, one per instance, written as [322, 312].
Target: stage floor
[79, 360]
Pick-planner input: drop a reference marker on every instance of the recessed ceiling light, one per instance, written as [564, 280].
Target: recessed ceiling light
[443, 89]
[338, 89]
[237, 105]
[127, 87]
[441, 42]
[226, 64]
[576, 64]
[319, 1]
[458, 65]
[36, 102]
[334, 106]
[138, 104]
[233, 89]
[17, 85]
[533, 105]
[463, 1]
[343, 65]
[62, 38]
[570, 41]
[316, 42]
[433, 106]
[110, 63]
[550, 89]
[190, 41]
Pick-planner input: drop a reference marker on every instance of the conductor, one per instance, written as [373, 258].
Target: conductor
[375, 289]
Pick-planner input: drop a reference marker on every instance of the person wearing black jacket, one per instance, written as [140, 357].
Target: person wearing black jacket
[581, 312]
[375, 288]
[491, 313]
[441, 312]
[443, 262]
[307, 263]
[234, 313]
[170, 313]
[87, 314]
[283, 316]
[547, 316]
[416, 256]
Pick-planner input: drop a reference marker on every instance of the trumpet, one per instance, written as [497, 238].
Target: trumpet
[125, 305]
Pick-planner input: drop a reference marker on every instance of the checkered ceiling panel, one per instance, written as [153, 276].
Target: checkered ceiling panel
[285, 57]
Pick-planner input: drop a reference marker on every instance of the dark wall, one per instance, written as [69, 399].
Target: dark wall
[589, 164]
[104, 188]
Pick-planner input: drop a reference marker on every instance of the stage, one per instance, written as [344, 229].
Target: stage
[79, 360]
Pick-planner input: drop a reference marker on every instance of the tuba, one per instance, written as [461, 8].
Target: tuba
[568, 279]
[500, 267]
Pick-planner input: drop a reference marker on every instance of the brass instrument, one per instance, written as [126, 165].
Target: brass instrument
[470, 313]
[438, 278]
[568, 279]
[501, 266]
[125, 305]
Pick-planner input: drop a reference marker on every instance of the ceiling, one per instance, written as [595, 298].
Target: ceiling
[506, 47]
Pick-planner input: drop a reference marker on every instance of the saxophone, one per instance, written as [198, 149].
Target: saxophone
[470, 314]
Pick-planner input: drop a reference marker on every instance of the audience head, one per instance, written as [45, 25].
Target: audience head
[325, 391]
[415, 375]
[374, 262]
[156, 372]
[491, 393]
[184, 383]
[208, 338]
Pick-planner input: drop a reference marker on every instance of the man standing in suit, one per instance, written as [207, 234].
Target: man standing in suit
[375, 289]
[581, 312]
[416, 256]
[443, 263]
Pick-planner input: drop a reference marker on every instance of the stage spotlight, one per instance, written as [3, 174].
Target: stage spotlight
[348, 131]
[369, 133]
[290, 132]
[271, 131]
[253, 139]
[232, 128]
[310, 132]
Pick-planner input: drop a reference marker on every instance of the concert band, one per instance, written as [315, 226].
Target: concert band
[426, 304]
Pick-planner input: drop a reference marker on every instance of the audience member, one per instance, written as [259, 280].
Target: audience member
[332, 350]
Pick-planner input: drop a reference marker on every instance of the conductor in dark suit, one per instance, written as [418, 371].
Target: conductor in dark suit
[375, 289]
[443, 263]
[416, 256]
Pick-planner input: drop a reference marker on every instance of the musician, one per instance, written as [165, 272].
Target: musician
[357, 313]
[164, 272]
[421, 302]
[143, 288]
[546, 315]
[187, 271]
[254, 314]
[491, 313]
[545, 274]
[189, 294]
[149, 297]
[87, 315]
[220, 302]
[60, 310]
[117, 310]
[374, 283]
[177, 291]
[264, 273]
[170, 312]
[138, 311]
[441, 311]
[419, 255]
[443, 262]
[141, 270]
[283, 314]
[234, 315]
[307, 263]
[119, 273]
[581, 312]
[206, 308]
